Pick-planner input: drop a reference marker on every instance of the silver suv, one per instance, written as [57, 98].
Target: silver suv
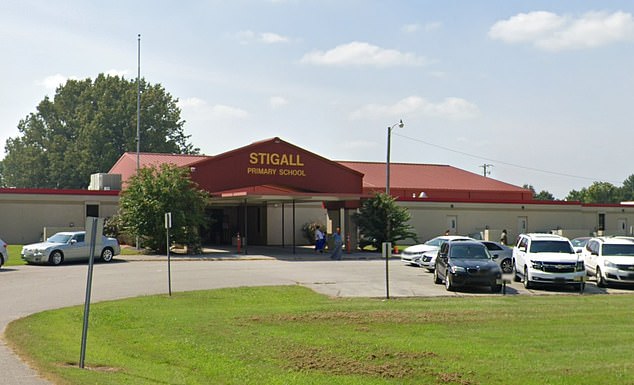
[547, 259]
[610, 259]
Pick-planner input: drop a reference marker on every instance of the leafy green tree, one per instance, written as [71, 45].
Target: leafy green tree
[373, 218]
[598, 192]
[86, 127]
[603, 192]
[156, 191]
[577, 195]
[627, 190]
[542, 195]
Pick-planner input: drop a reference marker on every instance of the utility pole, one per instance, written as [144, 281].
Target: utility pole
[486, 167]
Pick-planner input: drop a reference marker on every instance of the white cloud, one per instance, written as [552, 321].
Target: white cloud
[221, 111]
[410, 28]
[53, 81]
[359, 54]
[204, 111]
[433, 26]
[277, 102]
[114, 72]
[449, 108]
[246, 37]
[272, 38]
[552, 32]
[191, 102]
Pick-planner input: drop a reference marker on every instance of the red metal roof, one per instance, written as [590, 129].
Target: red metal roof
[406, 179]
[426, 176]
[126, 165]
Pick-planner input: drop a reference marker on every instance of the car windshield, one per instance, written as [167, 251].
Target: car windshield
[579, 242]
[469, 252]
[59, 238]
[435, 242]
[618, 249]
[551, 247]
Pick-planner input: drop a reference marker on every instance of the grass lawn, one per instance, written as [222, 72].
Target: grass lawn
[14, 255]
[291, 335]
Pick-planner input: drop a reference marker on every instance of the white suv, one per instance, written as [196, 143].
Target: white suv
[548, 259]
[610, 259]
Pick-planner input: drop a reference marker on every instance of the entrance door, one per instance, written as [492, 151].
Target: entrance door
[622, 226]
[452, 224]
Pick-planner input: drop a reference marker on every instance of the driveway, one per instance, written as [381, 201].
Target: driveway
[31, 289]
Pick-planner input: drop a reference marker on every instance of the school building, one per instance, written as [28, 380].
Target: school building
[268, 190]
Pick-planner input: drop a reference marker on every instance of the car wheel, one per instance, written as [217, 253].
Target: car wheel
[506, 266]
[495, 288]
[437, 279]
[107, 254]
[527, 283]
[1, 260]
[516, 277]
[600, 280]
[448, 284]
[55, 258]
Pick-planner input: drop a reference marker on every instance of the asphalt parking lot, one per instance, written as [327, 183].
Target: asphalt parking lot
[31, 289]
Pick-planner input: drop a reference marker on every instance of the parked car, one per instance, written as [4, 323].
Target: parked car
[501, 254]
[547, 259]
[69, 246]
[424, 255]
[610, 259]
[579, 243]
[4, 253]
[467, 263]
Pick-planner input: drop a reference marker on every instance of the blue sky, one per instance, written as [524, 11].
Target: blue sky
[542, 90]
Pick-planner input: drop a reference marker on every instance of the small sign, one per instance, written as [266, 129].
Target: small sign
[168, 220]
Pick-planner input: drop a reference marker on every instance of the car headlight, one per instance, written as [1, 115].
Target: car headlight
[607, 263]
[537, 265]
[580, 266]
[458, 269]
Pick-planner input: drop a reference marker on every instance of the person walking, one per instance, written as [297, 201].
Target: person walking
[504, 238]
[320, 240]
[338, 245]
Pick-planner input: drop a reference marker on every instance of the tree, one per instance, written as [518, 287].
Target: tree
[374, 215]
[627, 190]
[598, 192]
[156, 191]
[86, 127]
[542, 195]
[577, 195]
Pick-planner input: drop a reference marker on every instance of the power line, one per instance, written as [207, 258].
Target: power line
[504, 163]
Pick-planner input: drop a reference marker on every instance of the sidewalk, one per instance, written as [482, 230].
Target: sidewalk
[287, 253]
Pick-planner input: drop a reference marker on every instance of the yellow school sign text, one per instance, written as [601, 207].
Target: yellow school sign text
[272, 163]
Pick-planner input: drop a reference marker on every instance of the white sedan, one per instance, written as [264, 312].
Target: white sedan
[424, 255]
[69, 246]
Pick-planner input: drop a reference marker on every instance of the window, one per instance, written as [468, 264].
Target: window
[92, 210]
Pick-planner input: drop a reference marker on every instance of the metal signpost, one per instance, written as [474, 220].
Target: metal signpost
[94, 233]
[387, 252]
[168, 226]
